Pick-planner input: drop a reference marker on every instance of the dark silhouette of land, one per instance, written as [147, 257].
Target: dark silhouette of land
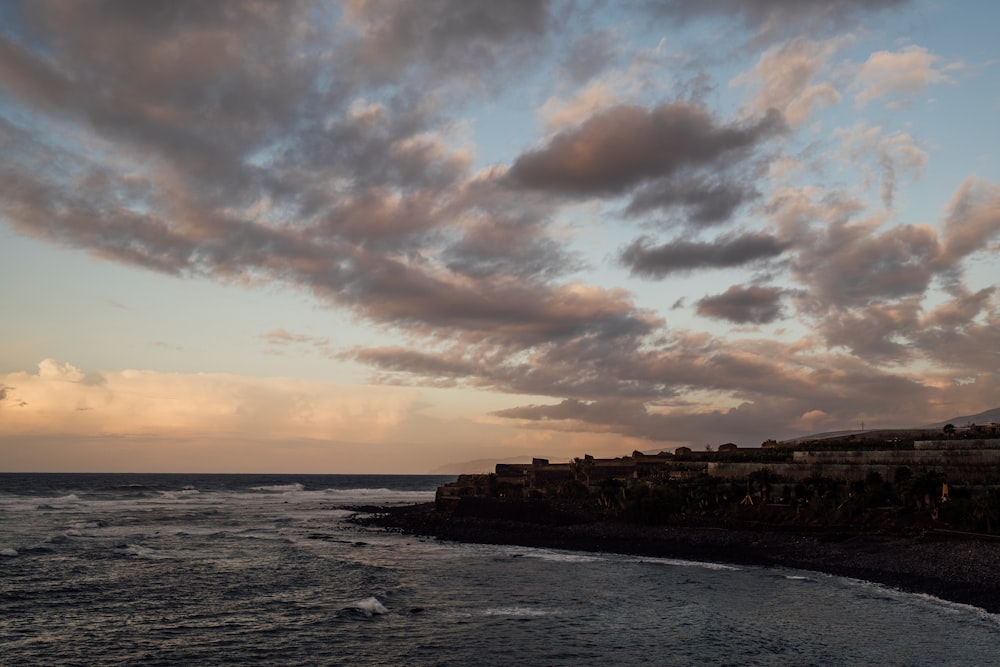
[915, 510]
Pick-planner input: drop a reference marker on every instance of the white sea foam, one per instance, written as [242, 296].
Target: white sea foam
[960, 608]
[561, 556]
[383, 496]
[280, 488]
[9, 553]
[521, 612]
[183, 494]
[945, 606]
[18, 504]
[370, 606]
[148, 553]
[364, 492]
[676, 562]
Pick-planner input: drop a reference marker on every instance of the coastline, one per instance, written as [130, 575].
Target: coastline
[955, 568]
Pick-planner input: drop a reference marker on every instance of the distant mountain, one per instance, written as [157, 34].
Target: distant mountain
[980, 418]
[477, 466]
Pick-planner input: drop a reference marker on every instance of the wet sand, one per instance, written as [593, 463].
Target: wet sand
[952, 567]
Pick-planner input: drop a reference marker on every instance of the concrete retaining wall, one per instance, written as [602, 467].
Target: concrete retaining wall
[923, 457]
[952, 445]
[954, 473]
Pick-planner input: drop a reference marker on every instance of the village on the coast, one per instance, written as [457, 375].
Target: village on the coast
[950, 476]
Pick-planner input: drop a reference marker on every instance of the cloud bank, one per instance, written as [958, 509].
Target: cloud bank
[328, 149]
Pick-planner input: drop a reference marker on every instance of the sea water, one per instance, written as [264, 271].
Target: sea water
[267, 570]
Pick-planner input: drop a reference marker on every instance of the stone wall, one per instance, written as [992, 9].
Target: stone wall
[902, 457]
[973, 473]
[953, 445]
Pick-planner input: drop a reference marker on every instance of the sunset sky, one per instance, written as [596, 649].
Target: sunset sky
[392, 236]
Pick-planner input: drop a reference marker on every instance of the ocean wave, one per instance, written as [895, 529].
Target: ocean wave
[279, 488]
[370, 606]
[677, 562]
[183, 494]
[380, 496]
[518, 612]
[365, 492]
[562, 556]
[888, 592]
[148, 553]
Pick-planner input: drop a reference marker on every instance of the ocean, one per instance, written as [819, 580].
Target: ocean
[151, 569]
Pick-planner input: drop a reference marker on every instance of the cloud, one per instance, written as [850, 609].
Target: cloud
[891, 153]
[961, 310]
[774, 19]
[622, 147]
[743, 305]
[877, 332]
[964, 336]
[590, 54]
[276, 171]
[279, 340]
[853, 263]
[440, 367]
[332, 151]
[451, 37]
[57, 399]
[973, 219]
[844, 258]
[785, 79]
[868, 284]
[626, 77]
[843, 389]
[680, 256]
[586, 102]
[705, 201]
[958, 332]
[283, 337]
[850, 266]
[906, 73]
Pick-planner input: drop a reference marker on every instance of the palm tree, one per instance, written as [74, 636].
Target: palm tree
[581, 468]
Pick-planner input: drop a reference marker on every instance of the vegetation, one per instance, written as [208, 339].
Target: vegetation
[920, 499]
[654, 489]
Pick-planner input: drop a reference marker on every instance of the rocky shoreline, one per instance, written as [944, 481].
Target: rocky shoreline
[958, 568]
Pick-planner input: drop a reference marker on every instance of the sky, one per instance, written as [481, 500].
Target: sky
[377, 236]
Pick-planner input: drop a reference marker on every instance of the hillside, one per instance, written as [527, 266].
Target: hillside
[487, 465]
[979, 418]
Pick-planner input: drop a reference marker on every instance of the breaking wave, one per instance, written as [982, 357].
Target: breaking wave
[279, 488]
[370, 606]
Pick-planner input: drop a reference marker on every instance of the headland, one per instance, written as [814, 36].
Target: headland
[931, 527]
